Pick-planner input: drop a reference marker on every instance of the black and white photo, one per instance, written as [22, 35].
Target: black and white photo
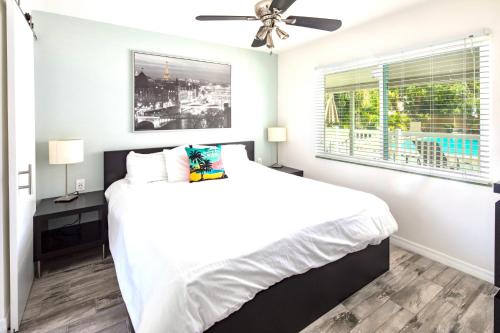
[172, 93]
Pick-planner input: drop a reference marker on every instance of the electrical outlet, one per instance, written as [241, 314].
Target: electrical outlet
[80, 185]
[259, 160]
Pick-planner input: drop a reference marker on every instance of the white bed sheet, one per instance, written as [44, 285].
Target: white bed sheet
[188, 255]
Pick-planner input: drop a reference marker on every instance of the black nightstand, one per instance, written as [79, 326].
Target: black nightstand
[292, 171]
[64, 228]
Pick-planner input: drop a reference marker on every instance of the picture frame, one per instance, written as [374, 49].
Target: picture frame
[179, 93]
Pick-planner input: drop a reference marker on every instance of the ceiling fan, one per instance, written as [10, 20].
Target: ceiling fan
[269, 13]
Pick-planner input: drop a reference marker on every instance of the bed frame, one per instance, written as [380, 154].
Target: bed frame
[295, 302]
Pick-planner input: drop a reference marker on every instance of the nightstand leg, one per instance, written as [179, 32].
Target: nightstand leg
[38, 269]
[103, 251]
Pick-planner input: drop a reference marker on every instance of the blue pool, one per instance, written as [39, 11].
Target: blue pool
[450, 146]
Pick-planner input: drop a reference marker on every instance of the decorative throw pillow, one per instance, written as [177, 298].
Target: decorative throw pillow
[177, 163]
[205, 163]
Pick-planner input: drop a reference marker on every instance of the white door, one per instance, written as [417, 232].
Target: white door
[21, 137]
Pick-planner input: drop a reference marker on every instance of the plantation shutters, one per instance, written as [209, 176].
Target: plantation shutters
[425, 111]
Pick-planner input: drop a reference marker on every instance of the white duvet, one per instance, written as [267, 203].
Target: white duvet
[188, 255]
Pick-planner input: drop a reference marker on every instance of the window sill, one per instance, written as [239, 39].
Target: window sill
[469, 179]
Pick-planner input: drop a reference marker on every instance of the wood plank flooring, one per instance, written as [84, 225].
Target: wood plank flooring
[76, 294]
[81, 294]
[416, 295]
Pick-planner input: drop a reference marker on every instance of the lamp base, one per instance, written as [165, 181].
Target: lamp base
[277, 166]
[66, 198]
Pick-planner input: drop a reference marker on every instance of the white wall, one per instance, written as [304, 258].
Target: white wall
[83, 81]
[452, 220]
[4, 220]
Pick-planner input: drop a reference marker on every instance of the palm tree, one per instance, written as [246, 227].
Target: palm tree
[205, 166]
[195, 157]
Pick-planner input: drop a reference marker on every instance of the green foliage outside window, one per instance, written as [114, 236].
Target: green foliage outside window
[438, 107]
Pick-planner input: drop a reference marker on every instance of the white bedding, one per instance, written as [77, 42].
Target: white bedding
[188, 255]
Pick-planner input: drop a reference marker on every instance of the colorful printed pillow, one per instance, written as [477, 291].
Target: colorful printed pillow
[205, 163]
[177, 163]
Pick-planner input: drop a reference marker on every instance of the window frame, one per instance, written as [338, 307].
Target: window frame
[483, 178]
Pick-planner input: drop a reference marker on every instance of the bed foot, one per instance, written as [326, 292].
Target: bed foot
[320, 288]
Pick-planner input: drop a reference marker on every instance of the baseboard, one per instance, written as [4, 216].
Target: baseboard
[444, 259]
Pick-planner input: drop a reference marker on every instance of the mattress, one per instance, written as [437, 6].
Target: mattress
[189, 254]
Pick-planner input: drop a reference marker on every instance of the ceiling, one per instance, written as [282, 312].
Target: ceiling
[177, 17]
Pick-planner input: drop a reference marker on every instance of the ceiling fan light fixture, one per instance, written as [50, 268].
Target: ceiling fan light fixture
[269, 41]
[263, 32]
[281, 33]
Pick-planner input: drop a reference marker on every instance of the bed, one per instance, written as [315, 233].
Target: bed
[256, 252]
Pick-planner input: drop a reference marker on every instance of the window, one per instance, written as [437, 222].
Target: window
[424, 111]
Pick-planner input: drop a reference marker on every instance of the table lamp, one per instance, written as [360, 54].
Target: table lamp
[276, 134]
[66, 152]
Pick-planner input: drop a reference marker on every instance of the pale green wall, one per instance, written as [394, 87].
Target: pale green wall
[83, 81]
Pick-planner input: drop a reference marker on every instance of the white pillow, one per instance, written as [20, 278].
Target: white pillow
[235, 158]
[177, 163]
[234, 154]
[146, 168]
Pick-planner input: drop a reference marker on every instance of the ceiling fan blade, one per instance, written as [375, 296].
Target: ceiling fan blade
[225, 18]
[281, 5]
[258, 43]
[314, 22]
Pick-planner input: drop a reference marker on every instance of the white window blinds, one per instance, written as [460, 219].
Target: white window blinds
[425, 111]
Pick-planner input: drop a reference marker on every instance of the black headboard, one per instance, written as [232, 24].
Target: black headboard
[115, 162]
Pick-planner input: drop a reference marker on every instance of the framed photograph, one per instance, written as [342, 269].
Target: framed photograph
[173, 93]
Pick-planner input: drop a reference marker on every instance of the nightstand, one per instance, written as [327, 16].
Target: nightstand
[63, 228]
[292, 171]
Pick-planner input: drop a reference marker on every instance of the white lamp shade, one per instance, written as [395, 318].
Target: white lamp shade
[65, 151]
[276, 134]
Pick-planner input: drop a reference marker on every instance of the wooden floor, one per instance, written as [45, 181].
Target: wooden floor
[76, 294]
[81, 294]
